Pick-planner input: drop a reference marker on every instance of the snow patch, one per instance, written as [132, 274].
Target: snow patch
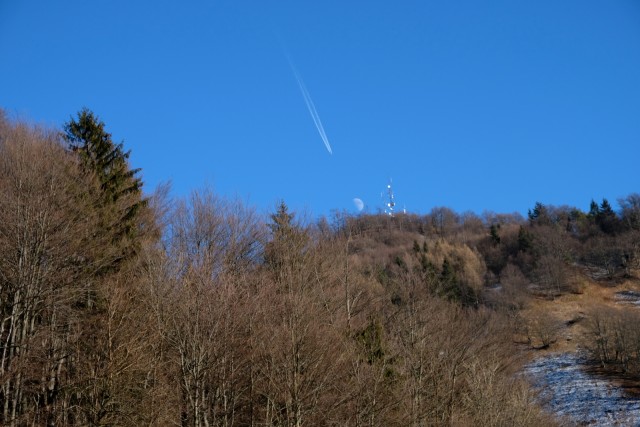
[569, 392]
[628, 297]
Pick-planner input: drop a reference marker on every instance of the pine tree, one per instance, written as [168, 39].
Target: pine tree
[607, 219]
[605, 209]
[495, 236]
[448, 275]
[539, 215]
[281, 221]
[525, 240]
[119, 186]
[285, 253]
[594, 210]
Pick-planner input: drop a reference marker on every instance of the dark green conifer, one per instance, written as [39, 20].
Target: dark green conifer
[525, 240]
[594, 210]
[605, 209]
[285, 252]
[119, 186]
[539, 215]
[448, 275]
[495, 237]
[607, 219]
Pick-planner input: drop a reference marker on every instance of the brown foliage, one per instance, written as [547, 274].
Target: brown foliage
[45, 236]
[213, 320]
[613, 338]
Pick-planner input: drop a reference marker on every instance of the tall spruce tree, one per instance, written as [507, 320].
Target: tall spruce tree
[495, 235]
[285, 253]
[594, 210]
[539, 215]
[120, 187]
[607, 218]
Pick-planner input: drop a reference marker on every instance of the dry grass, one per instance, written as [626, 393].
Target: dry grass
[571, 309]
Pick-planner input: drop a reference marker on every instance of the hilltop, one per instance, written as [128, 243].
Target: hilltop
[124, 308]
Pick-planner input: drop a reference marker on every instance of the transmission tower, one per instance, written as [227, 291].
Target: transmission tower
[390, 201]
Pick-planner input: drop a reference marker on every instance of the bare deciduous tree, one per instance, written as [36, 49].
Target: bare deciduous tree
[45, 236]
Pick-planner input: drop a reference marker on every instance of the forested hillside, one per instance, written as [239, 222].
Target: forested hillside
[122, 308]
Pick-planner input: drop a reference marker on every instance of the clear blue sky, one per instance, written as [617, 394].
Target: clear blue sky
[468, 104]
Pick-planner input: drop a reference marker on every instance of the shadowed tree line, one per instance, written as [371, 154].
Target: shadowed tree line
[118, 308]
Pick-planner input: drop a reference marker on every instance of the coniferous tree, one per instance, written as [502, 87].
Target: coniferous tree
[448, 274]
[285, 233]
[539, 215]
[117, 203]
[589, 223]
[282, 230]
[525, 240]
[606, 218]
[285, 253]
[87, 137]
[606, 209]
[448, 282]
[120, 187]
[495, 236]
[594, 209]
[281, 221]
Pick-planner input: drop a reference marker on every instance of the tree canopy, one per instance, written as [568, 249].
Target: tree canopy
[120, 186]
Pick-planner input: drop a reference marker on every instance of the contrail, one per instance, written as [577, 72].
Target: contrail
[311, 107]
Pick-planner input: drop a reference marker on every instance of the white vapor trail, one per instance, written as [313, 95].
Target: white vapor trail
[311, 107]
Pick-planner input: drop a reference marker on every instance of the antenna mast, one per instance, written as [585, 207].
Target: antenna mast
[390, 204]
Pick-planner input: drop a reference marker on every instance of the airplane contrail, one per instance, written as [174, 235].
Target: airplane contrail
[311, 107]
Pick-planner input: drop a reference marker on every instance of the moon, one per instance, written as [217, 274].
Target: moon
[359, 204]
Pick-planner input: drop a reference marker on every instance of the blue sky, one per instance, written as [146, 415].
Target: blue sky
[475, 105]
